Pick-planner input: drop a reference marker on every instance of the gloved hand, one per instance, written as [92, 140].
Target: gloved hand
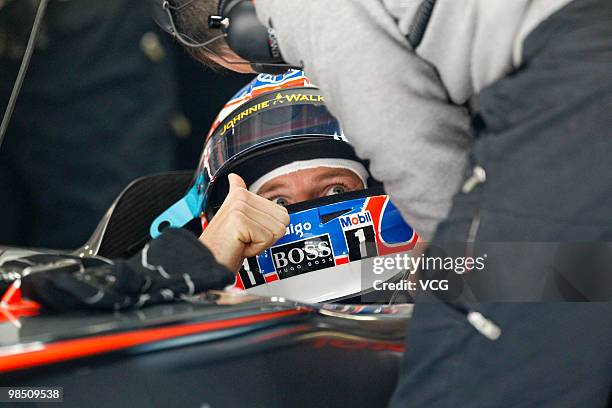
[167, 268]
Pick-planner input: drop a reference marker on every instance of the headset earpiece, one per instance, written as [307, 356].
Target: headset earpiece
[224, 7]
[246, 36]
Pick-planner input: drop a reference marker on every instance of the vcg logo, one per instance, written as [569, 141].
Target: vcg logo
[298, 229]
[303, 256]
[356, 219]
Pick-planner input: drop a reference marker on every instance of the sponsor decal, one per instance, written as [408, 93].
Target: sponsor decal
[244, 114]
[279, 79]
[298, 229]
[361, 242]
[297, 98]
[303, 256]
[353, 220]
[291, 98]
[250, 273]
[393, 234]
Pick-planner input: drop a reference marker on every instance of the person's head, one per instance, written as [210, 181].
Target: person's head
[283, 142]
[279, 137]
[191, 21]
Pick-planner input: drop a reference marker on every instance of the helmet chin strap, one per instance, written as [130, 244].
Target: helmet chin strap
[180, 213]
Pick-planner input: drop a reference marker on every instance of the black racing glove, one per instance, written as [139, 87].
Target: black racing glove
[167, 268]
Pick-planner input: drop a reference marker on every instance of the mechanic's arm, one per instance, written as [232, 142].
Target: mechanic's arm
[391, 103]
[245, 225]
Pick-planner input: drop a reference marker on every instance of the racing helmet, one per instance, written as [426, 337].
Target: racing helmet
[275, 122]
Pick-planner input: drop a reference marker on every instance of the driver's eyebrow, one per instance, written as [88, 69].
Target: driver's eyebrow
[272, 187]
[335, 174]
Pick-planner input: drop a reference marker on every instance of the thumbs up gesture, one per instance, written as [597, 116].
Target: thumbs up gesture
[245, 225]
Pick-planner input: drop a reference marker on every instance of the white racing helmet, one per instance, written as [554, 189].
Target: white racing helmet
[274, 126]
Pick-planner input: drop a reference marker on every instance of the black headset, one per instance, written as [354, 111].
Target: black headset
[238, 23]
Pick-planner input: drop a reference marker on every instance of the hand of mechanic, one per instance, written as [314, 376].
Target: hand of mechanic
[245, 225]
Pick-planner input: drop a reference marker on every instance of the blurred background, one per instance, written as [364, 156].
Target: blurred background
[108, 98]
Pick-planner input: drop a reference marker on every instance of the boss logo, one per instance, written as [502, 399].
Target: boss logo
[303, 256]
[356, 219]
[298, 229]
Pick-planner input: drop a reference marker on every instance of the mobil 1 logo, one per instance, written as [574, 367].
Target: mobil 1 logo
[360, 235]
[303, 256]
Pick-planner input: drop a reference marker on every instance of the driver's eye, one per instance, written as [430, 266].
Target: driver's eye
[339, 189]
[281, 201]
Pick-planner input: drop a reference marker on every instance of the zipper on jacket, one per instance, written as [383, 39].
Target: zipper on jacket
[485, 326]
[478, 177]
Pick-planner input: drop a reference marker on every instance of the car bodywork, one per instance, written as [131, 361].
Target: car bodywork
[218, 349]
[255, 352]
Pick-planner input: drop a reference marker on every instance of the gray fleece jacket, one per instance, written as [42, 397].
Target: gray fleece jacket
[402, 108]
